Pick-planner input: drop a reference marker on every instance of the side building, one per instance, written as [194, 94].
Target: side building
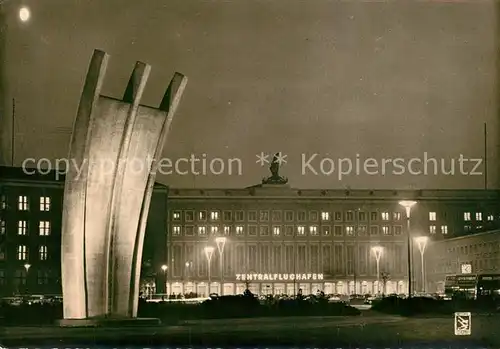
[30, 232]
[279, 239]
[477, 254]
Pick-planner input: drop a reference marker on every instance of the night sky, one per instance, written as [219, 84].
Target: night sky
[337, 78]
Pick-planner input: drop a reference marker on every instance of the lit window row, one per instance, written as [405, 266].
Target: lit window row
[22, 228]
[22, 253]
[23, 204]
[433, 229]
[287, 230]
[277, 216]
[478, 216]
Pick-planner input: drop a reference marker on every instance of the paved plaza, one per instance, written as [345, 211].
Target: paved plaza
[368, 329]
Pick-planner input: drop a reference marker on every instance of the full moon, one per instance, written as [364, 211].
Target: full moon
[24, 14]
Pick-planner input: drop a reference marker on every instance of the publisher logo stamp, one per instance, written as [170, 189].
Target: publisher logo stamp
[463, 324]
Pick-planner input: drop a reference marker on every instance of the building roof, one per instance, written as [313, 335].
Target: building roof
[277, 191]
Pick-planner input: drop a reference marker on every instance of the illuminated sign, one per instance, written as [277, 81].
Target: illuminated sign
[466, 269]
[278, 277]
[463, 324]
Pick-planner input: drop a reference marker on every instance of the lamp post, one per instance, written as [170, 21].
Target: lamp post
[422, 243]
[377, 251]
[209, 251]
[164, 268]
[408, 204]
[27, 266]
[221, 242]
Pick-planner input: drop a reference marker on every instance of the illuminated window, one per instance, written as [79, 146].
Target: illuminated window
[227, 230]
[444, 229]
[432, 229]
[385, 216]
[385, 230]
[22, 203]
[176, 216]
[325, 230]
[264, 216]
[42, 253]
[362, 230]
[301, 230]
[396, 216]
[349, 230]
[176, 230]
[214, 215]
[239, 230]
[44, 228]
[44, 203]
[325, 216]
[313, 230]
[202, 231]
[466, 216]
[276, 230]
[2, 227]
[22, 253]
[432, 216]
[479, 216]
[202, 216]
[3, 202]
[22, 228]
[490, 217]
[214, 230]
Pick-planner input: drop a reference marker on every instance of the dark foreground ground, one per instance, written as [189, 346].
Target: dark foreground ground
[371, 330]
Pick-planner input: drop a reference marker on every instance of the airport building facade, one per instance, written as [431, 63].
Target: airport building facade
[277, 239]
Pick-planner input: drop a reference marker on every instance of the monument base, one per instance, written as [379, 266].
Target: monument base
[109, 322]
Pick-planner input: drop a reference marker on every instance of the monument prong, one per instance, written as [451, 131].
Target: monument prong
[105, 210]
[137, 82]
[73, 271]
[173, 93]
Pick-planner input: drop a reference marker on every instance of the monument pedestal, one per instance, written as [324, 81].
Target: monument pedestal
[109, 322]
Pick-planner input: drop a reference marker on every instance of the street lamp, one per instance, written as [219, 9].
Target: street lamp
[408, 204]
[24, 14]
[377, 251]
[27, 266]
[221, 242]
[422, 243]
[209, 251]
[164, 267]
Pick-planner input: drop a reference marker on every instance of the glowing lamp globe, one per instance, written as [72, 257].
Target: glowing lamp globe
[24, 14]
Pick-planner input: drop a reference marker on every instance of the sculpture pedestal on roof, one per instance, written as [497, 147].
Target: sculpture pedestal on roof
[108, 191]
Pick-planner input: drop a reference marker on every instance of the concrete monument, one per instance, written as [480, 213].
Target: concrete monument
[109, 183]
